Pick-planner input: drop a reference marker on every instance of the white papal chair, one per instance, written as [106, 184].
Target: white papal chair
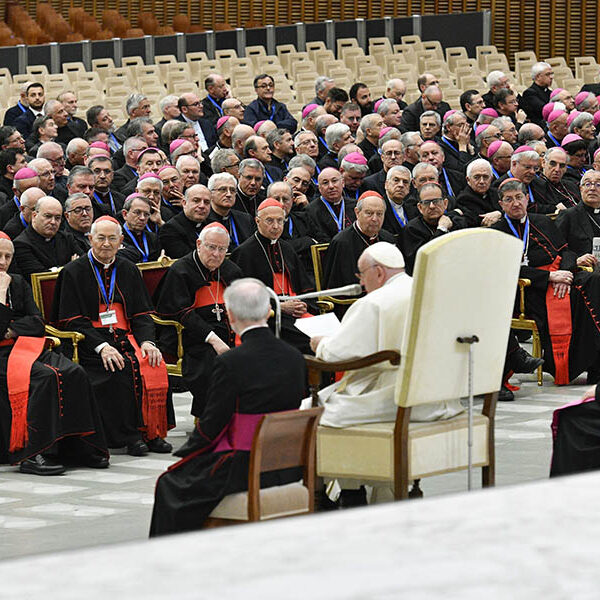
[464, 285]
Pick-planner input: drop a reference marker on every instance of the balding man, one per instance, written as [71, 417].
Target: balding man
[66, 130]
[111, 307]
[76, 153]
[234, 108]
[477, 201]
[216, 91]
[456, 136]
[396, 88]
[21, 220]
[451, 180]
[331, 212]
[43, 246]
[177, 237]
[400, 209]
[538, 93]
[23, 179]
[431, 99]
[371, 126]
[563, 190]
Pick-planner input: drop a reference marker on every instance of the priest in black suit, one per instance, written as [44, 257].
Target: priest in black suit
[240, 225]
[399, 212]
[177, 237]
[392, 154]
[78, 220]
[478, 201]
[451, 180]
[191, 292]
[261, 376]
[564, 191]
[268, 258]
[431, 99]
[139, 244]
[105, 200]
[538, 93]
[43, 245]
[564, 301]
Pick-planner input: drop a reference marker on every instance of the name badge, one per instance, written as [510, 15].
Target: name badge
[596, 247]
[109, 317]
[525, 262]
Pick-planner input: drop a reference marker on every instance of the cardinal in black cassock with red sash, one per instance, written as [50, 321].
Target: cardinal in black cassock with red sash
[192, 293]
[46, 401]
[564, 302]
[272, 260]
[103, 296]
[260, 376]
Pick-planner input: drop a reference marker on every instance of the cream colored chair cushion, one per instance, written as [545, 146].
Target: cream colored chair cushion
[366, 452]
[275, 502]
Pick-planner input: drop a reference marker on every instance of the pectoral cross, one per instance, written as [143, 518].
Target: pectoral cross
[217, 310]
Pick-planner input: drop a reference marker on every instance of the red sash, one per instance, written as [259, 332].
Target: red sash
[25, 352]
[559, 327]
[203, 294]
[155, 380]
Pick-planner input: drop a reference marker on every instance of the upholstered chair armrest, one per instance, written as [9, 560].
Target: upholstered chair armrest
[74, 336]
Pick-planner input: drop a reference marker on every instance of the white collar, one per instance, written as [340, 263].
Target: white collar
[253, 327]
[104, 265]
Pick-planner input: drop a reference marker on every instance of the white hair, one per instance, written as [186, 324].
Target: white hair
[539, 67]
[479, 162]
[247, 300]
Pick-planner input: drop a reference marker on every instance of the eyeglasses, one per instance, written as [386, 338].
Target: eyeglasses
[265, 86]
[361, 274]
[434, 201]
[59, 161]
[197, 103]
[560, 165]
[273, 221]
[393, 153]
[213, 248]
[81, 210]
[588, 185]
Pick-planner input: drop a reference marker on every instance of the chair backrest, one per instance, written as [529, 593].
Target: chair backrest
[283, 440]
[463, 285]
[317, 252]
[153, 272]
[42, 285]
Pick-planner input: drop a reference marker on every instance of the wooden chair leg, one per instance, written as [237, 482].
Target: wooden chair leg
[537, 352]
[488, 476]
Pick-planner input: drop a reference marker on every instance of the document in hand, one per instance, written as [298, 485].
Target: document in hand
[322, 325]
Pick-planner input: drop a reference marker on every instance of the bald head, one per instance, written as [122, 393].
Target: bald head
[47, 216]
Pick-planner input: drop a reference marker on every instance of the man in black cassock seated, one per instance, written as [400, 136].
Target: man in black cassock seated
[79, 214]
[139, 244]
[563, 190]
[331, 212]
[178, 235]
[580, 224]
[431, 223]
[399, 212]
[261, 376]
[43, 245]
[563, 301]
[103, 296]
[478, 201]
[47, 406]
[347, 246]
[239, 224]
[272, 260]
[191, 292]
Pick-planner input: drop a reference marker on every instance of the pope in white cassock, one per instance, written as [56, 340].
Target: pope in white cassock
[373, 323]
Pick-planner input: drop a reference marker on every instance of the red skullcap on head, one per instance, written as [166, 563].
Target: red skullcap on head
[108, 218]
[489, 112]
[554, 115]
[258, 124]
[356, 158]
[308, 109]
[494, 147]
[268, 203]
[572, 116]
[509, 179]
[222, 120]
[556, 92]
[369, 194]
[571, 137]
[25, 173]
[151, 149]
[101, 145]
[218, 226]
[135, 195]
[175, 144]
[384, 130]
[148, 175]
[524, 149]
[4, 236]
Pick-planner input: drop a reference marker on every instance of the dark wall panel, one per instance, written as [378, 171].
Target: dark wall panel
[135, 47]
[195, 42]
[467, 32]
[165, 44]
[39, 55]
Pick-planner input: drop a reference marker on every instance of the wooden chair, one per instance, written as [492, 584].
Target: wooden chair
[446, 303]
[43, 285]
[152, 274]
[281, 441]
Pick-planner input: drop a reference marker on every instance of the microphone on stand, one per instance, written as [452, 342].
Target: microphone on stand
[354, 289]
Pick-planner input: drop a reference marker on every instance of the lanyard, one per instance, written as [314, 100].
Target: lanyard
[25, 223]
[233, 231]
[447, 142]
[339, 221]
[290, 226]
[322, 140]
[16, 201]
[113, 278]
[496, 174]
[402, 222]
[268, 176]
[115, 141]
[516, 233]
[554, 139]
[23, 109]
[145, 254]
[167, 203]
[110, 198]
[531, 198]
[448, 186]
[215, 104]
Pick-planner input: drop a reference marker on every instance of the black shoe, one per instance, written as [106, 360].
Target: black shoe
[523, 362]
[324, 503]
[95, 461]
[39, 465]
[159, 446]
[137, 448]
[505, 395]
[352, 498]
[523, 335]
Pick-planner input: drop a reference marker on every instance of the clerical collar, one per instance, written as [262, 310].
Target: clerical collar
[100, 263]
[265, 240]
[591, 209]
[243, 194]
[397, 204]
[253, 327]
[360, 232]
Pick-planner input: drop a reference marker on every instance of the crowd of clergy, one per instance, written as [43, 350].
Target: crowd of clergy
[233, 191]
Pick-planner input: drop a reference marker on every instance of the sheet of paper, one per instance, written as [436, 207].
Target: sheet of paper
[326, 324]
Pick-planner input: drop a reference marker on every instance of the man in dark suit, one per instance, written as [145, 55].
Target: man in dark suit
[392, 154]
[11, 115]
[128, 172]
[35, 100]
[263, 375]
[431, 99]
[177, 237]
[538, 93]
[192, 113]
[216, 88]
